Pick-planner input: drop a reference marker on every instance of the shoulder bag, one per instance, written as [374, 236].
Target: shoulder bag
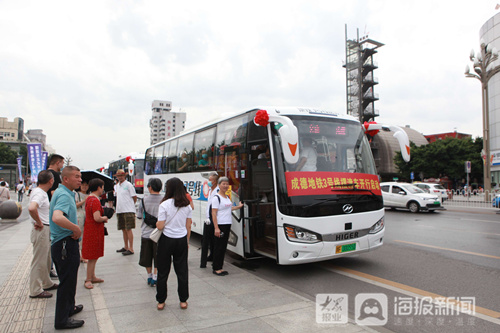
[149, 219]
[156, 234]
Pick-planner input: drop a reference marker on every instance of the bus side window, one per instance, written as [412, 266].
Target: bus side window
[185, 153]
[158, 159]
[203, 147]
[148, 163]
[164, 161]
[172, 157]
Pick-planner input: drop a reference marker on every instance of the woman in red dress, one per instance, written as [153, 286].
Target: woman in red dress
[93, 233]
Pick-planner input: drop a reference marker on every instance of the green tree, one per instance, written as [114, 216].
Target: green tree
[7, 154]
[23, 151]
[443, 158]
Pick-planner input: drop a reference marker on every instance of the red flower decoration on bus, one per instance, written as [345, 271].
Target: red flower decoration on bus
[370, 133]
[261, 118]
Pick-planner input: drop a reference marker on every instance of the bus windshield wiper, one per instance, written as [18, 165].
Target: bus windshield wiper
[321, 202]
[353, 188]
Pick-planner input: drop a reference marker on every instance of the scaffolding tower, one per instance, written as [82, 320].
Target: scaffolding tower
[360, 81]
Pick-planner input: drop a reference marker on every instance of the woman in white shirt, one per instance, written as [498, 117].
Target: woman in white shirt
[174, 218]
[222, 219]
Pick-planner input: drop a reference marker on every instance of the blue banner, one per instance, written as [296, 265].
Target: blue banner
[19, 170]
[45, 154]
[35, 160]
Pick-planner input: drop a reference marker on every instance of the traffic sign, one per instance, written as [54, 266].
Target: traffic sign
[467, 167]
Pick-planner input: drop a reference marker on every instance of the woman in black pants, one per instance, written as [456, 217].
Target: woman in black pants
[222, 219]
[174, 218]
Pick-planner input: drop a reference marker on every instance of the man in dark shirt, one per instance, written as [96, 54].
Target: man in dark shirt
[56, 163]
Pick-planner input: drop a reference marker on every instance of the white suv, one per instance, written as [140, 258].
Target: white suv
[436, 189]
[404, 195]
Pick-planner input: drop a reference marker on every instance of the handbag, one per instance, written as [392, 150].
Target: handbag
[156, 234]
[108, 212]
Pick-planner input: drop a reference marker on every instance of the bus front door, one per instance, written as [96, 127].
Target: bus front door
[262, 208]
[235, 171]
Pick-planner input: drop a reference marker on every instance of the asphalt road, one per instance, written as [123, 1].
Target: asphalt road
[450, 253]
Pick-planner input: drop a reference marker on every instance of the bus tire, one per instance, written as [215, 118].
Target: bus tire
[414, 207]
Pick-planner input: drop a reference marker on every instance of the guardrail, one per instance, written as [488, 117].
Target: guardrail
[471, 199]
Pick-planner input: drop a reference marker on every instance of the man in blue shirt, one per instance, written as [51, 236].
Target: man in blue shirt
[64, 235]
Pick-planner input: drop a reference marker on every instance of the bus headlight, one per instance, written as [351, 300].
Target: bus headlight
[296, 234]
[377, 226]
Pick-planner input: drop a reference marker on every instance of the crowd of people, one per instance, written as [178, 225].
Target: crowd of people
[69, 221]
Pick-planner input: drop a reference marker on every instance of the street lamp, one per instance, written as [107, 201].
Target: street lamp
[481, 63]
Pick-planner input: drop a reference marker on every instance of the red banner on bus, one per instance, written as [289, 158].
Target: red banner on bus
[321, 183]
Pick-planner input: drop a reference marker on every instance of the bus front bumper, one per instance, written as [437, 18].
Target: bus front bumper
[299, 253]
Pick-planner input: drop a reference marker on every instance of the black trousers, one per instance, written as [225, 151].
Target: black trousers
[220, 247]
[207, 242]
[67, 270]
[176, 250]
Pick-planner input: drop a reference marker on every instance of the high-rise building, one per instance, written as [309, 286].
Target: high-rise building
[11, 130]
[164, 122]
[490, 34]
[36, 135]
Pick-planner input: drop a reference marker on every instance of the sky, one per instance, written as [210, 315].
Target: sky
[86, 72]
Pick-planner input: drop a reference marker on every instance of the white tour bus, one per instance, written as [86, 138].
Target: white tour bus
[307, 179]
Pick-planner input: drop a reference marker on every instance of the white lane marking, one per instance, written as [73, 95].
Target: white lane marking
[419, 295]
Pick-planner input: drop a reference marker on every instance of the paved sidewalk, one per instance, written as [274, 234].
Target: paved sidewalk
[238, 302]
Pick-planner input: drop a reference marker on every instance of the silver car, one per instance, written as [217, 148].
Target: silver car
[432, 188]
[404, 195]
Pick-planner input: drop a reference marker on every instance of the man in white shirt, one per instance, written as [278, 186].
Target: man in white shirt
[38, 209]
[125, 211]
[20, 191]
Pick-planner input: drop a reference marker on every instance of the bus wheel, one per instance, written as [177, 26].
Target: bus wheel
[413, 207]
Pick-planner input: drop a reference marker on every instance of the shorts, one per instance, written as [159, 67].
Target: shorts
[126, 221]
[148, 253]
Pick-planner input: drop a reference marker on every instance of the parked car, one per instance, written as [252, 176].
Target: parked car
[436, 189]
[404, 195]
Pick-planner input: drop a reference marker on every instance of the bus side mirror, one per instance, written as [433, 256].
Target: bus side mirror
[288, 133]
[399, 134]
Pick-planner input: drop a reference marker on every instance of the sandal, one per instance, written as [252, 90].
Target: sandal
[160, 306]
[97, 280]
[88, 284]
[184, 305]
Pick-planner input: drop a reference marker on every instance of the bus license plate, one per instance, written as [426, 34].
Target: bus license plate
[345, 248]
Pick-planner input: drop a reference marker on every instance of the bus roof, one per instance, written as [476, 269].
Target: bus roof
[134, 155]
[277, 110]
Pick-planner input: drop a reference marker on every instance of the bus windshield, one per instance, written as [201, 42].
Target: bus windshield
[332, 152]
